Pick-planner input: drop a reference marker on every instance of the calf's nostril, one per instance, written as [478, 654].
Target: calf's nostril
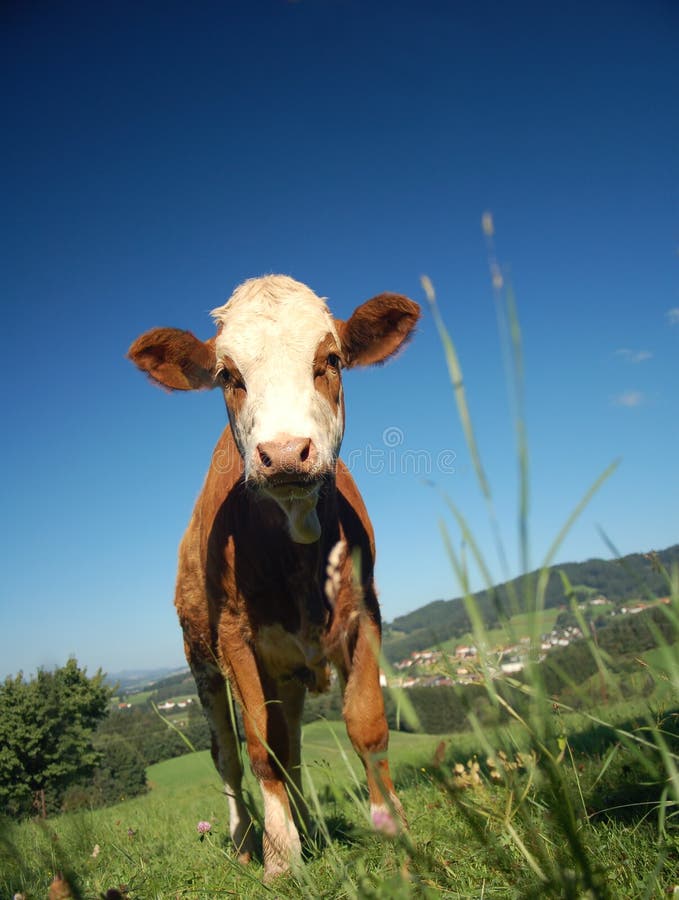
[264, 457]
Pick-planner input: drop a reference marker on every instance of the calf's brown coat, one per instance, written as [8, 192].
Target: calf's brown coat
[272, 615]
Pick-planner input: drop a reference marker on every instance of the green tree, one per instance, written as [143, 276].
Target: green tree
[120, 774]
[146, 731]
[46, 728]
[197, 729]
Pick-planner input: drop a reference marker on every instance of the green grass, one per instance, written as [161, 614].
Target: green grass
[195, 769]
[139, 698]
[660, 659]
[150, 844]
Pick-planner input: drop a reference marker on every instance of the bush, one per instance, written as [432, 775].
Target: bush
[121, 773]
[46, 729]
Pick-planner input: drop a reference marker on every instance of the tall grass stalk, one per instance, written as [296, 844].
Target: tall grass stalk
[565, 865]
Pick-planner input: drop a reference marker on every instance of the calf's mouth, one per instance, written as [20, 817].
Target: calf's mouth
[297, 495]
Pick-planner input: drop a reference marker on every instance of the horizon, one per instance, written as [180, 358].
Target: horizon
[161, 671]
[158, 158]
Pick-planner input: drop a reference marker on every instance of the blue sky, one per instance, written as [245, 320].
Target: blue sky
[155, 155]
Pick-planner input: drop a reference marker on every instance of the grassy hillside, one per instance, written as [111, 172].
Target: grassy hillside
[149, 847]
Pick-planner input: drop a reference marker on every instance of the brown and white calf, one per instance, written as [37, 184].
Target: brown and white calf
[275, 579]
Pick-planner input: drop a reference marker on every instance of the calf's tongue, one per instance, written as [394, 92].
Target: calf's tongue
[303, 522]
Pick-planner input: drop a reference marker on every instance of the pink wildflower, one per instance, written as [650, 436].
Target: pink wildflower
[203, 828]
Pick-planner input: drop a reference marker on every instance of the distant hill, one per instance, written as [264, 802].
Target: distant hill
[130, 680]
[627, 578]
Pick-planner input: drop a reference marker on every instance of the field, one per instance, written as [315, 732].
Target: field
[519, 624]
[139, 698]
[471, 835]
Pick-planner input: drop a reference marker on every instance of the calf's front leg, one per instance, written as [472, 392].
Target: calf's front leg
[367, 727]
[268, 741]
[225, 752]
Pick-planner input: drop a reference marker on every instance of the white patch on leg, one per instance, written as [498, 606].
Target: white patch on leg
[229, 768]
[282, 846]
[383, 819]
[240, 824]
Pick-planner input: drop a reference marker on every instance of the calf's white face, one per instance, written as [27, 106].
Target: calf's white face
[278, 357]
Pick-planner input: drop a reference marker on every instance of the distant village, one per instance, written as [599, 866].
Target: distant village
[463, 664]
[432, 668]
[168, 706]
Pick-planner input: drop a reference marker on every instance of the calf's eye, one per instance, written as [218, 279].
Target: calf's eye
[334, 361]
[229, 380]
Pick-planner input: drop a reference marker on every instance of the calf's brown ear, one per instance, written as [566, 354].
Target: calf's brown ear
[175, 359]
[377, 329]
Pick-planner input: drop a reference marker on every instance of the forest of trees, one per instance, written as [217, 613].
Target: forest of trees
[621, 640]
[152, 738]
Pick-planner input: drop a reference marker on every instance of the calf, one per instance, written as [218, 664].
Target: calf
[275, 579]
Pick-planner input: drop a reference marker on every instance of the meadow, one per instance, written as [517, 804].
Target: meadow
[476, 830]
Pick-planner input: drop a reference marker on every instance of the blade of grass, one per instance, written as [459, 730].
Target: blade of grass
[457, 381]
[511, 347]
[566, 527]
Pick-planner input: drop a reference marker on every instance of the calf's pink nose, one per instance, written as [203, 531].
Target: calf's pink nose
[286, 454]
